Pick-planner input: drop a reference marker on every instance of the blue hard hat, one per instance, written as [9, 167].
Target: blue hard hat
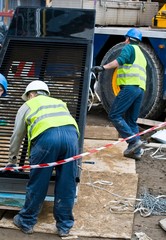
[4, 84]
[134, 33]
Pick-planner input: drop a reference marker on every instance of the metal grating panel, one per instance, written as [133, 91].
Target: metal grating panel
[63, 63]
[60, 65]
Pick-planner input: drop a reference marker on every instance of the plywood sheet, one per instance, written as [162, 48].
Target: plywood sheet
[102, 132]
[105, 198]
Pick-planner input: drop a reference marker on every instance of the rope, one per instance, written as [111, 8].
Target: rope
[121, 205]
[93, 95]
[162, 155]
[114, 194]
[146, 205]
[95, 150]
[151, 205]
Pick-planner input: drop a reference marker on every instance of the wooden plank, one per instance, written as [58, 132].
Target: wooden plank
[94, 204]
[110, 133]
[101, 132]
[148, 122]
[87, 212]
[9, 208]
[156, 145]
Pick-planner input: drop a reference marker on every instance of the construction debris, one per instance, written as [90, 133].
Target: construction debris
[162, 224]
[155, 145]
[158, 150]
[70, 237]
[160, 136]
[148, 122]
[142, 236]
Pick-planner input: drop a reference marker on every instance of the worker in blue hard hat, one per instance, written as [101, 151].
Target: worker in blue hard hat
[134, 34]
[131, 78]
[3, 86]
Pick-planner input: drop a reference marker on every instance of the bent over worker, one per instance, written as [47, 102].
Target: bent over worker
[3, 86]
[131, 78]
[52, 135]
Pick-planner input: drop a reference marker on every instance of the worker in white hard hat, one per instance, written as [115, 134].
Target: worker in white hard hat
[131, 79]
[3, 86]
[52, 135]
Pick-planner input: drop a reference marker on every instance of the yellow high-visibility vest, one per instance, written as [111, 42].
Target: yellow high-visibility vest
[46, 112]
[133, 74]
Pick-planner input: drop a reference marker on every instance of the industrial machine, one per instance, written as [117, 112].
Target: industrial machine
[159, 20]
[113, 20]
[53, 45]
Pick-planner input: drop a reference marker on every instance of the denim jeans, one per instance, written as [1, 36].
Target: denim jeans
[125, 111]
[52, 145]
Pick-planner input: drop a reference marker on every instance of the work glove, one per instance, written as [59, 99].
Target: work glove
[97, 69]
[12, 170]
[12, 163]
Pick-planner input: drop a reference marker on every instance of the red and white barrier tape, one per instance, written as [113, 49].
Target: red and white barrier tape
[44, 165]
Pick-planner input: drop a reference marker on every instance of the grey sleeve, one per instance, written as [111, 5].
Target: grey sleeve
[19, 131]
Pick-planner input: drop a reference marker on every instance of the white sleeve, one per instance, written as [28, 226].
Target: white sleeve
[19, 131]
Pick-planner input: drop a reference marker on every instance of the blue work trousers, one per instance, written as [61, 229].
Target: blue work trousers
[52, 145]
[125, 111]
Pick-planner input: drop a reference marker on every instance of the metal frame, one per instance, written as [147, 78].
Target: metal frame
[20, 47]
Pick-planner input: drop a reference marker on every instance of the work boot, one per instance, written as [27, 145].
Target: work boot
[62, 233]
[17, 223]
[132, 147]
[136, 155]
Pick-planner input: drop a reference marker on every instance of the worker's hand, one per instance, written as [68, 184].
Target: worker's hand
[10, 165]
[97, 69]
[12, 160]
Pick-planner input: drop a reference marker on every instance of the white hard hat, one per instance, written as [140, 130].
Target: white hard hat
[35, 86]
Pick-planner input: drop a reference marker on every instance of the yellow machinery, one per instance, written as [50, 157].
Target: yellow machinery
[159, 20]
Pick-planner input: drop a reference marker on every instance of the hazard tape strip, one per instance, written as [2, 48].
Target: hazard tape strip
[60, 162]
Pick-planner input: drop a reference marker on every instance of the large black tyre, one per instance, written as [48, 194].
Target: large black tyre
[153, 104]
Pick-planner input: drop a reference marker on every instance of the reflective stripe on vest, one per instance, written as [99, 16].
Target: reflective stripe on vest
[46, 112]
[133, 74]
